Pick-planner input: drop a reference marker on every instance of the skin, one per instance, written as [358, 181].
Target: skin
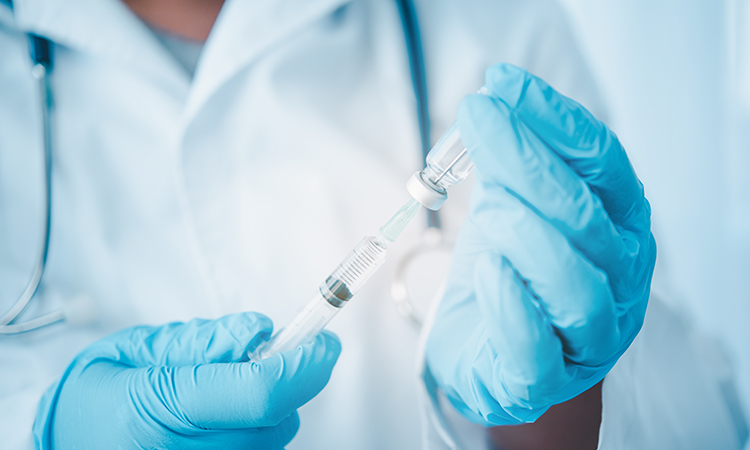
[570, 425]
[190, 19]
[573, 425]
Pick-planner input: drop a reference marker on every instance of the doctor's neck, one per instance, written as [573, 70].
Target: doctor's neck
[190, 19]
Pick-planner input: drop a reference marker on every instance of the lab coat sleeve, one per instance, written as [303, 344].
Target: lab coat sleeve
[666, 391]
[19, 408]
[30, 364]
[672, 389]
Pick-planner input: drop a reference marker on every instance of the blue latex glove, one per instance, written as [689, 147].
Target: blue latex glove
[182, 386]
[552, 270]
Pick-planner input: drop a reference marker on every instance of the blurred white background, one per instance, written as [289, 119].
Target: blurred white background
[676, 77]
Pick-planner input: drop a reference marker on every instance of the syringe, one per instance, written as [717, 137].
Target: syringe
[340, 286]
[447, 163]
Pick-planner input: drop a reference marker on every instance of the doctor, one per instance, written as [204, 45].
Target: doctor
[217, 158]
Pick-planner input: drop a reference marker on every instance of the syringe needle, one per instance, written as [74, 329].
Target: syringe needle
[393, 228]
[450, 166]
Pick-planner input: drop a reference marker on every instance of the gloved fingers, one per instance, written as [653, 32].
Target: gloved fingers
[199, 341]
[528, 361]
[509, 155]
[574, 294]
[277, 436]
[587, 145]
[248, 394]
[271, 438]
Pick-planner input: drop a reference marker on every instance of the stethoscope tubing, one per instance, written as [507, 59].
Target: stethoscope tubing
[415, 52]
[433, 234]
[40, 51]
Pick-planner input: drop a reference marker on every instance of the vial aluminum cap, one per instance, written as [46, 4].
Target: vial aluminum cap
[430, 196]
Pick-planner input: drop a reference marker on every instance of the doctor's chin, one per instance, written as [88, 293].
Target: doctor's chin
[374, 224]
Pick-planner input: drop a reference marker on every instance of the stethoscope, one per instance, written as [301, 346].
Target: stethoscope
[40, 52]
[42, 59]
[432, 239]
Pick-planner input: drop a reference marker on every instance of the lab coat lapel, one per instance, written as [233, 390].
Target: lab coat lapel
[243, 31]
[106, 28]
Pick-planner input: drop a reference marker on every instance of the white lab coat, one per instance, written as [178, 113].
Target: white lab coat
[243, 189]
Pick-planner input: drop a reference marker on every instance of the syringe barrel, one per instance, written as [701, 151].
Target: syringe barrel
[306, 325]
[333, 294]
[358, 266]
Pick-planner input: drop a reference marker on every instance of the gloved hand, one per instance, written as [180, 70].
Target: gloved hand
[552, 270]
[183, 386]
